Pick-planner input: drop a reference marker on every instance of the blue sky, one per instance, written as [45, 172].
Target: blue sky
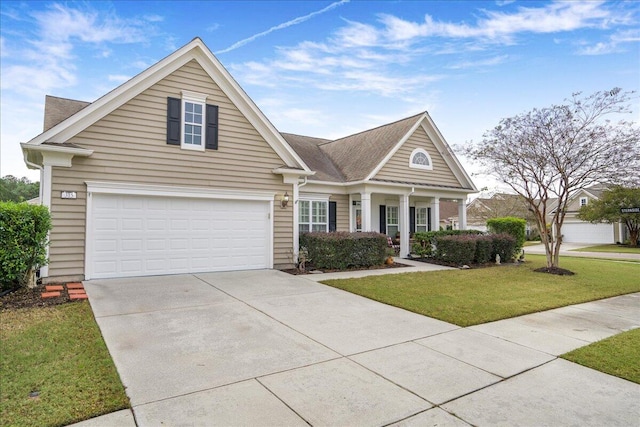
[326, 68]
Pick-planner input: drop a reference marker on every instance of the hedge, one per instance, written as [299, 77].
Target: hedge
[504, 244]
[516, 227]
[23, 242]
[458, 250]
[342, 250]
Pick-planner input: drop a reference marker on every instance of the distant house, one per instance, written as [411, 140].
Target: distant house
[499, 205]
[178, 171]
[574, 230]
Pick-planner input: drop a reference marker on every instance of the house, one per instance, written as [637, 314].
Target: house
[178, 171]
[575, 230]
[498, 205]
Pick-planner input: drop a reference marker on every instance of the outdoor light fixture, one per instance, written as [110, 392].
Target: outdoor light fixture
[285, 200]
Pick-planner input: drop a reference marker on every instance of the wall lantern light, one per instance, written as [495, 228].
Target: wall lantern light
[285, 200]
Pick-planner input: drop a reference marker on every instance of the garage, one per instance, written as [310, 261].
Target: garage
[132, 235]
[587, 233]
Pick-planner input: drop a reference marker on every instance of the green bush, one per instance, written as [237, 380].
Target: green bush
[458, 250]
[484, 249]
[342, 250]
[23, 242]
[503, 244]
[516, 227]
[430, 236]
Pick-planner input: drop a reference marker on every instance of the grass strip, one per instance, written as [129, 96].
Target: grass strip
[59, 353]
[471, 297]
[620, 249]
[618, 355]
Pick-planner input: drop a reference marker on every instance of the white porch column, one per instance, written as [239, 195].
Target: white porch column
[45, 200]
[462, 214]
[435, 214]
[404, 225]
[365, 200]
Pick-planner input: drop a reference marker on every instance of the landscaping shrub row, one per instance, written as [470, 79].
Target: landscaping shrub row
[426, 240]
[23, 242]
[342, 250]
[468, 249]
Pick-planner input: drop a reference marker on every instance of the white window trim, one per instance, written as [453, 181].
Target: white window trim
[586, 201]
[194, 98]
[426, 217]
[313, 198]
[397, 218]
[415, 166]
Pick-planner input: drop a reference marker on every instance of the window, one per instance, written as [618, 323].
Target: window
[357, 215]
[421, 219]
[420, 159]
[392, 221]
[193, 127]
[193, 114]
[192, 124]
[313, 216]
[583, 201]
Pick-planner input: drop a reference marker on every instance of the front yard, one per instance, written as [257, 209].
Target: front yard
[55, 367]
[471, 297]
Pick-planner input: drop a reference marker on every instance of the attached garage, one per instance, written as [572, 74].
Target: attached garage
[582, 232]
[160, 231]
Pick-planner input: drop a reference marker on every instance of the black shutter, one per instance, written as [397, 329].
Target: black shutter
[383, 219]
[429, 219]
[332, 216]
[412, 219]
[212, 127]
[174, 105]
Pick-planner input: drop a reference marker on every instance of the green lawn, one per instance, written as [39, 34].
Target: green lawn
[618, 355]
[58, 352]
[470, 297]
[610, 249]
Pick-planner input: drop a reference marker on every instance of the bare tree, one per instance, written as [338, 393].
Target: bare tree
[548, 154]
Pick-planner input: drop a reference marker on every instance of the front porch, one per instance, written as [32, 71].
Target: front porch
[400, 214]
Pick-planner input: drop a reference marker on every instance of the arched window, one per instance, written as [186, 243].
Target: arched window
[420, 159]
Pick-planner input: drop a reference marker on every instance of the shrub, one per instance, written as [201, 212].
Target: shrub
[430, 236]
[516, 227]
[458, 250]
[504, 245]
[23, 242]
[342, 250]
[484, 249]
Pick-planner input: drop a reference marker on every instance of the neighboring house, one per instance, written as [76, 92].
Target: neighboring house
[499, 205]
[178, 171]
[574, 230]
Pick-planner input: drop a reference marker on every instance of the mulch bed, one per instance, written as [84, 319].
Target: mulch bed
[309, 270]
[30, 297]
[555, 270]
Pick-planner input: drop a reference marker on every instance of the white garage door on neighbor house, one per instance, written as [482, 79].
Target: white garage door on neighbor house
[133, 235]
[587, 233]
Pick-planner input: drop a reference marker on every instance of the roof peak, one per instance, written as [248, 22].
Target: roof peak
[375, 128]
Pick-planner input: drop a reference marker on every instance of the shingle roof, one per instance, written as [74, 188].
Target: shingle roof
[58, 109]
[356, 156]
[308, 148]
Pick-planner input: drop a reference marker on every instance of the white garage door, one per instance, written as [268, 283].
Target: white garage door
[146, 235]
[587, 233]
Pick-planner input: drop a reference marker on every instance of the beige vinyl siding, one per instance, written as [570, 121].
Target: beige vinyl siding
[342, 211]
[397, 168]
[130, 146]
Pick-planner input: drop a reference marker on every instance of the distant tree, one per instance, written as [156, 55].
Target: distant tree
[607, 209]
[547, 155]
[14, 189]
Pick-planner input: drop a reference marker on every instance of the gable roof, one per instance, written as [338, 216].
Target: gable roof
[58, 109]
[359, 157]
[194, 50]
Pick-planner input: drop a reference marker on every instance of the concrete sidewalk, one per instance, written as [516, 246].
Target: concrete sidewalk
[573, 249]
[267, 348]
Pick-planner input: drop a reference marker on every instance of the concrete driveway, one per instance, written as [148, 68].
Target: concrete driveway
[267, 348]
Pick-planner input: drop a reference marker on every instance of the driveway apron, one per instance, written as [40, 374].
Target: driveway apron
[267, 348]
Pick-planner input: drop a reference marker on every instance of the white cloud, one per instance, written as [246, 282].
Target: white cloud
[289, 23]
[489, 62]
[614, 44]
